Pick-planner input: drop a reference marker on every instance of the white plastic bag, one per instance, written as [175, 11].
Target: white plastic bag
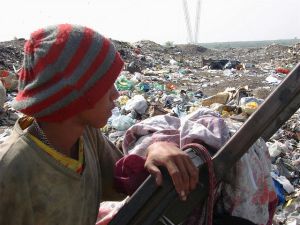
[122, 122]
[137, 103]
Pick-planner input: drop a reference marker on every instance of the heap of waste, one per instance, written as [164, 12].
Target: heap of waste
[176, 80]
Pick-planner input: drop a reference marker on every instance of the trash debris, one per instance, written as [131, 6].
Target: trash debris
[177, 80]
[9, 80]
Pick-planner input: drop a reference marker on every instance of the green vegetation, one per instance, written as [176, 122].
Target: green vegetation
[250, 44]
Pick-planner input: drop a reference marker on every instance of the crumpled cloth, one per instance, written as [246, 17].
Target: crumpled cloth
[107, 211]
[247, 190]
[129, 173]
[203, 126]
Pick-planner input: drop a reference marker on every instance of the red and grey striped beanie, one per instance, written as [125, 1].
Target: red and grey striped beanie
[67, 69]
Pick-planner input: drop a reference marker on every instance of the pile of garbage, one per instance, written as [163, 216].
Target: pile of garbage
[177, 80]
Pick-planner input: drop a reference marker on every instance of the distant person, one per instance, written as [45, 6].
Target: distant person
[56, 167]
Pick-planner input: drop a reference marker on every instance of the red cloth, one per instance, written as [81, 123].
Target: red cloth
[130, 173]
[282, 70]
[272, 209]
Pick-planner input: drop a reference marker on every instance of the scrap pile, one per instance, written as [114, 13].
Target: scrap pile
[178, 79]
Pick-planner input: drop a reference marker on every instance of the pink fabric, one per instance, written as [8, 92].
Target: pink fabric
[203, 126]
[206, 157]
[108, 210]
[246, 192]
[272, 209]
[249, 189]
[130, 173]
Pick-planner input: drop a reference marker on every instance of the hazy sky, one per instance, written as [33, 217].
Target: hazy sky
[157, 20]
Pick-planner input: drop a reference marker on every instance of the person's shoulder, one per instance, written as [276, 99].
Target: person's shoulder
[12, 152]
[15, 164]
[13, 143]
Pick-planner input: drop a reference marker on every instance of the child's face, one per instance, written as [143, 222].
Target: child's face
[98, 115]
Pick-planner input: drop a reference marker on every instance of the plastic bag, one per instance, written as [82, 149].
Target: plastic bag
[144, 87]
[137, 103]
[9, 80]
[122, 122]
[282, 70]
[123, 84]
[122, 100]
[158, 86]
[250, 104]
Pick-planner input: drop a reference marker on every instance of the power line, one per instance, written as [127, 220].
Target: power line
[198, 11]
[191, 38]
[187, 21]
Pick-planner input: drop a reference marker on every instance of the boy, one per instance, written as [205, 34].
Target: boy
[56, 166]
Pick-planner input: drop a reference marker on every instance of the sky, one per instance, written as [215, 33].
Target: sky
[160, 21]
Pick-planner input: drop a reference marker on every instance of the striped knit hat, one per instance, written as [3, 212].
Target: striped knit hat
[67, 69]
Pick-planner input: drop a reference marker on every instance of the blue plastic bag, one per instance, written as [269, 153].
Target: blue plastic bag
[279, 191]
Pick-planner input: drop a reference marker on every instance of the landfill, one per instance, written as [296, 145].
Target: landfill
[177, 80]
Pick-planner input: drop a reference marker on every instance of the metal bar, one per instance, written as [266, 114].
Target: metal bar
[141, 196]
[149, 202]
[282, 118]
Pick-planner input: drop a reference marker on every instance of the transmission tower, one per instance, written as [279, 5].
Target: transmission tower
[192, 39]
[198, 11]
[187, 21]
